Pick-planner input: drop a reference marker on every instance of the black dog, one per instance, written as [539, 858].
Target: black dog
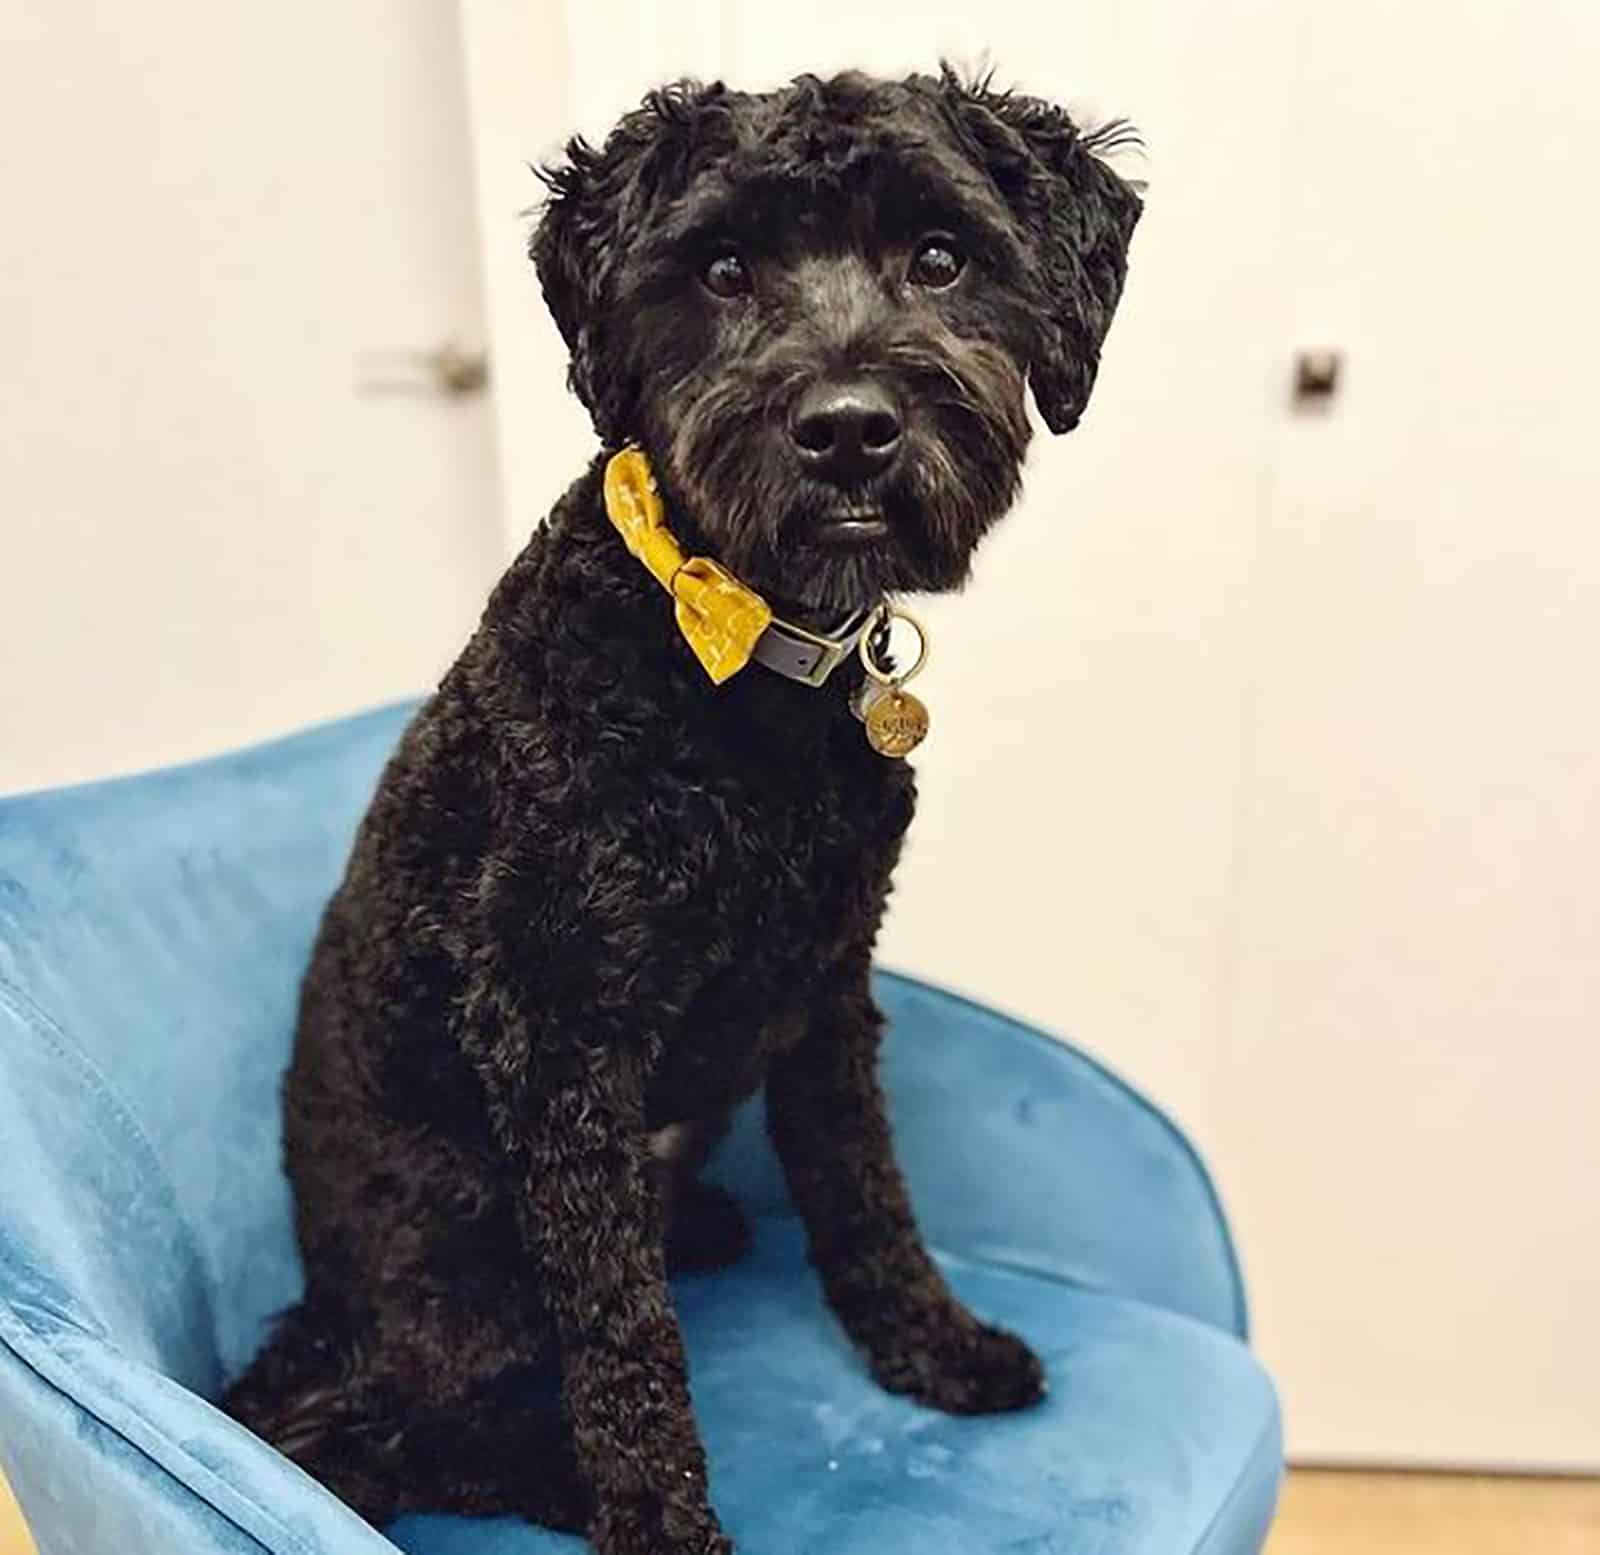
[597, 900]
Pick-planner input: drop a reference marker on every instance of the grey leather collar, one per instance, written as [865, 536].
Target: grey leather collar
[810, 654]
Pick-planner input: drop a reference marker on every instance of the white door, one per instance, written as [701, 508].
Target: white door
[1414, 1151]
[1264, 756]
[219, 220]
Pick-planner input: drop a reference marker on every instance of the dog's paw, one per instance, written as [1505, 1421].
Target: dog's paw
[964, 1368]
[659, 1525]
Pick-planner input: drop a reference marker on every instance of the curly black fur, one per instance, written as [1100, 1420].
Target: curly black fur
[596, 902]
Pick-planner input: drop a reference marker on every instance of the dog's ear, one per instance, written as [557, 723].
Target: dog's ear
[563, 247]
[1078, 217]
[599, 200]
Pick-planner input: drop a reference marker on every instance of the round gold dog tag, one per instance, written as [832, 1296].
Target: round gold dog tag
[897, 723]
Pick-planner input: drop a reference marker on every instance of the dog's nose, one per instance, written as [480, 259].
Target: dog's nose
[846, 432]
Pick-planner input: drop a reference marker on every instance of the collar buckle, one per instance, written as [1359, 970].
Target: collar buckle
[802, 654]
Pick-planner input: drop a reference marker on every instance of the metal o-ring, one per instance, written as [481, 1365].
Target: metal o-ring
[887, 615]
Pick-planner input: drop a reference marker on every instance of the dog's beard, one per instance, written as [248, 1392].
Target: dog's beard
[725, 460]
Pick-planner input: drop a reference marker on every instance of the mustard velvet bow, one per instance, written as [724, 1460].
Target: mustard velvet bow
[719, 617]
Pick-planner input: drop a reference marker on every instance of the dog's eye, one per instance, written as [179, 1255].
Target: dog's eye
[936, 263]
[727, 276]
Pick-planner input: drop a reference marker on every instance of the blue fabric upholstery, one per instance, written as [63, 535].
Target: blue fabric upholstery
[152, 932]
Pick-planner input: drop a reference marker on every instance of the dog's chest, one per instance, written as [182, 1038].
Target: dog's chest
[804, 866]
[796, 879]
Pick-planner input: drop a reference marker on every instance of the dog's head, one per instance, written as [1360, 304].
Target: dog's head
[818, 309]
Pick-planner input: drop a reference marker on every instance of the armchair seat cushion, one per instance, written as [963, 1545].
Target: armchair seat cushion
[1159, 1435]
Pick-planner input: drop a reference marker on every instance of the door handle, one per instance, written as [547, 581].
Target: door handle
[448, 369]
[1316, 376]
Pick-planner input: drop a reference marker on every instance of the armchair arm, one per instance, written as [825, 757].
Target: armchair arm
[101, 1295]
[105, 1453]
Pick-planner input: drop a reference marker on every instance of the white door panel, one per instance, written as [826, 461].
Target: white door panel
[1414, 1155]
[213, 214]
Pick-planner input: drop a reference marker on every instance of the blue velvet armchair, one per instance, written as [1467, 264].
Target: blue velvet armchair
[152, 932]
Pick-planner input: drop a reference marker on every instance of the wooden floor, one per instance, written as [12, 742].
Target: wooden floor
[13, 1537]
[1431, 1514]
[1361, 1514]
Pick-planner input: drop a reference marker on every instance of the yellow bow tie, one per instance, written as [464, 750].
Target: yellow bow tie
[719, 617]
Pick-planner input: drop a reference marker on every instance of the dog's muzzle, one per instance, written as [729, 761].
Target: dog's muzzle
[846, 433]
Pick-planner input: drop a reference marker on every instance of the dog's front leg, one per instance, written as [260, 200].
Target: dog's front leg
[592, 1222]
[828, 1121]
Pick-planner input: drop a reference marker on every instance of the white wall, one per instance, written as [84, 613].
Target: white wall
[212, 214]
[520, 91]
